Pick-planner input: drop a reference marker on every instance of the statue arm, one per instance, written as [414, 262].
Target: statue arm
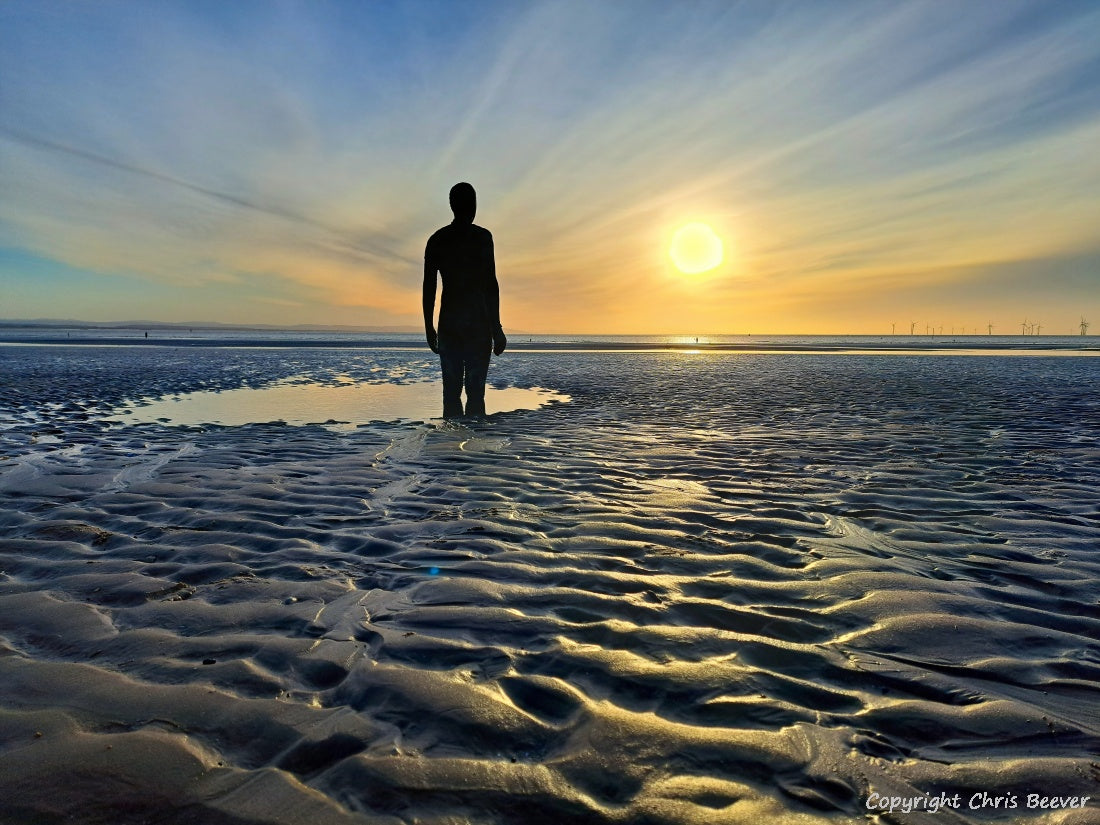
[429, 304]
[493, 302]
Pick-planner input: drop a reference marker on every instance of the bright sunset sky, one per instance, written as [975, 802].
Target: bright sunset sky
[862, 163]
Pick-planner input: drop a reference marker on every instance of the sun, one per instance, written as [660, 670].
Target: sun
[695, 248]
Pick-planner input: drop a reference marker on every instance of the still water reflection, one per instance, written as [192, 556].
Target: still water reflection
[345, 406]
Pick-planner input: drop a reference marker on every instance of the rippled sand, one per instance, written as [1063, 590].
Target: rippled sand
[713, 588]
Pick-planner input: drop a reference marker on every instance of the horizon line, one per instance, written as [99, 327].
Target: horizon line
[409, 329]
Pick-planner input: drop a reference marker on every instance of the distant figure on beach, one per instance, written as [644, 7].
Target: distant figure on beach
[469, 308]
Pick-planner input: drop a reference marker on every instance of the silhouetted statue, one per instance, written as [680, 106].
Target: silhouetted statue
[469, 308]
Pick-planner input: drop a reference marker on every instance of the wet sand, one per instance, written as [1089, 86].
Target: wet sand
[711, 587]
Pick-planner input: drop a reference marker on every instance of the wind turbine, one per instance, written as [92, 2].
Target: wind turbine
[1084, 326]
[913, 326]
[990, 327]
[1023, 327]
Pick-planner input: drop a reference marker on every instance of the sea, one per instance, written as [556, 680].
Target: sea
[155, 336]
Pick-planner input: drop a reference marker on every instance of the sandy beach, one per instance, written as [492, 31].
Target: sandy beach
[710, 587]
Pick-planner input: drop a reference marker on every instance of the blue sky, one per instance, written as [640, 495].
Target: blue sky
[864, 163]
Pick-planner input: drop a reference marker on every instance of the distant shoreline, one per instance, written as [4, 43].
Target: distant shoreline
[838, 345]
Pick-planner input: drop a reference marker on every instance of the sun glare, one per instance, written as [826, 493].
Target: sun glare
[695, 248]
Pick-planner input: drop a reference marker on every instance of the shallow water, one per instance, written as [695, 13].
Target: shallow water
[710, 588]
[299, 401]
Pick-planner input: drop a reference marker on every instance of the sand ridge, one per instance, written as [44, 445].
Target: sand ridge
[708, 589]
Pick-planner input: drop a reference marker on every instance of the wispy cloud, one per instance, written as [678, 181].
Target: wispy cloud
[844, 150]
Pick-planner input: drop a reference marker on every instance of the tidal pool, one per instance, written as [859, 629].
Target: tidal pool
[343, 406]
